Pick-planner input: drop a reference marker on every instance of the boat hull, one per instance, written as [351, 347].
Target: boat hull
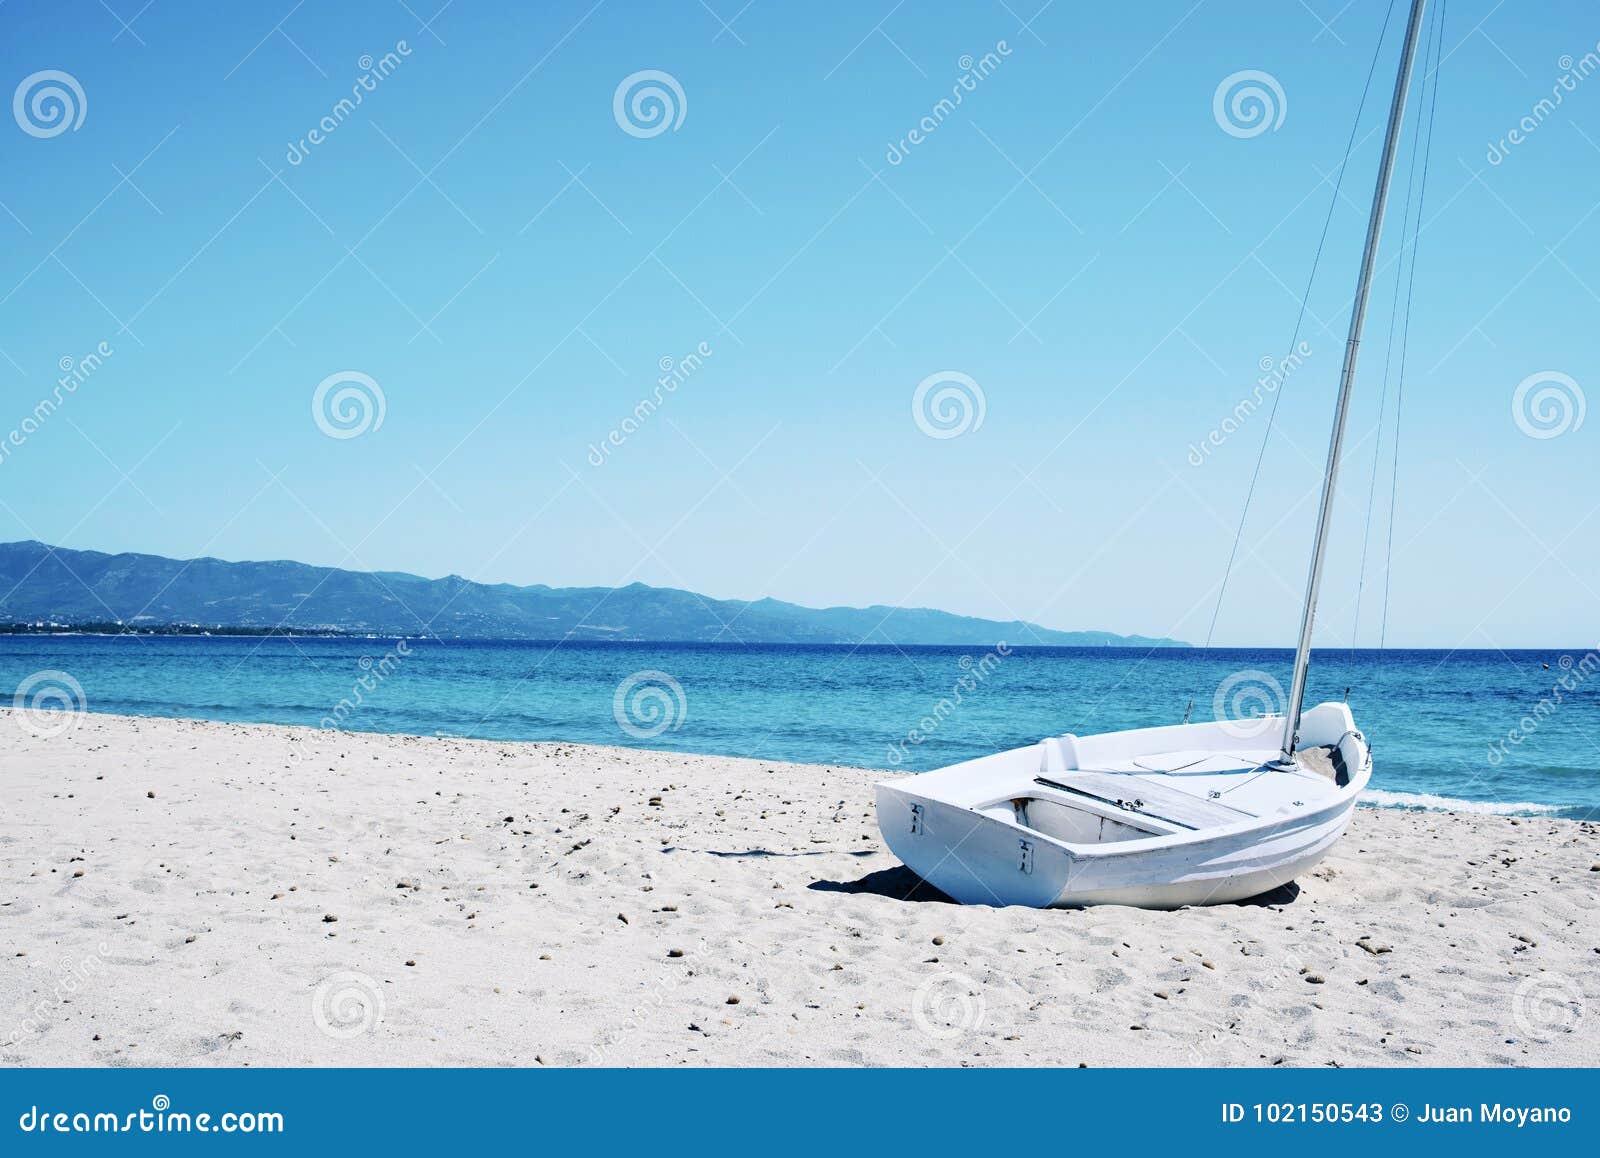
[956, 829]
[981, 862]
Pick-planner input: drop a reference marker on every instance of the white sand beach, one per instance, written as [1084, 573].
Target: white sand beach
[178, 892]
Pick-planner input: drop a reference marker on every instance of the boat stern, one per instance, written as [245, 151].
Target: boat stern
[968, 854]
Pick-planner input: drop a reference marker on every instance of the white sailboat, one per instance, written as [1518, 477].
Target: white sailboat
[1191, 814]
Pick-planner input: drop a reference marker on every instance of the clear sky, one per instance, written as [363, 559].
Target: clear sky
[509, 253]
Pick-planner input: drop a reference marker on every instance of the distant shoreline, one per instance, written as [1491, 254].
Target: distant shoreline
[111, 630]
[67, 587]
[170, 630]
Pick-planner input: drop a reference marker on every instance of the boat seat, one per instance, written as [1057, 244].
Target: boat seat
[1147, 798]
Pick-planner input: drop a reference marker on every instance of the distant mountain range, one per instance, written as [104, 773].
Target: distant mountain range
[44, 584]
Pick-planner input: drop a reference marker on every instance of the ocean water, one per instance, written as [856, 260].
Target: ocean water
[1486, 730]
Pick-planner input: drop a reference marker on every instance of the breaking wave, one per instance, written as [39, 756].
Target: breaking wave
[1427, 802]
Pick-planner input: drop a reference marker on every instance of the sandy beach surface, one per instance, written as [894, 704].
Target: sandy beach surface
[178, 892]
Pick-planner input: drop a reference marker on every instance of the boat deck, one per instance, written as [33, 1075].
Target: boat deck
[1148, 798]
[1196, 789]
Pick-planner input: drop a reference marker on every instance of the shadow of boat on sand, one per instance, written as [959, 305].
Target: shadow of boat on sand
[901, 884]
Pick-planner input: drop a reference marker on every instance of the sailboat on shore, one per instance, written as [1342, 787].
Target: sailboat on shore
[1189, 814]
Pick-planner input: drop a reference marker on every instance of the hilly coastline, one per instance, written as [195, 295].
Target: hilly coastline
[41, 584]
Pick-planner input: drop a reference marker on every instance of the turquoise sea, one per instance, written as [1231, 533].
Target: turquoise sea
[1489, 730]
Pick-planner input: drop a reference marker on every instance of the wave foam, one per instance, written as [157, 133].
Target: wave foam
[1426, 801]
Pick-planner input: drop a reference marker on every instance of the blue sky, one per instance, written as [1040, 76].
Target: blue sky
[1080, 237]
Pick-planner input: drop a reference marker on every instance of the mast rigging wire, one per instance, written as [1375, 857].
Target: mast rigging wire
[1410, 234]
[1305, 300]
[1405, 337]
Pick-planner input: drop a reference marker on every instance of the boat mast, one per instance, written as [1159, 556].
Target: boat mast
[1380, 197]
